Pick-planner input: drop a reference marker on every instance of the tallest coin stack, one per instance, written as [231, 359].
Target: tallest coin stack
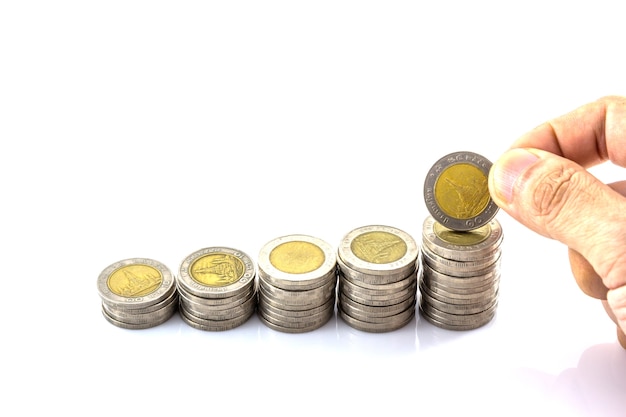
[461, 244]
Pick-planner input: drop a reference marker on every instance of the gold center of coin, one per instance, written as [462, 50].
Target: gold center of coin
[473, 237]
[378, 247]
[136, 280]
[217, 269]
[297, 257]
[461, 191]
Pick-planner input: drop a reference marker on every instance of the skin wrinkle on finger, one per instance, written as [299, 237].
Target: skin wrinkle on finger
[567, 203]
[560, 205]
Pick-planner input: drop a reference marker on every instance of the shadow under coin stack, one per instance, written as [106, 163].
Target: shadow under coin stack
[217, 289]
[461, 260]
[297, 283]
[378, 272]
[137, 293]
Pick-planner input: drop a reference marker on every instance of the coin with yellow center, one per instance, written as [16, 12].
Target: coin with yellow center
[456, 191]
[297, 257]
[135, 283]
[378, 250]
[297, 262]
[469, 238]
[474, 245]
[217, 269]
[134, 280]
[378, 247]
[216, 272]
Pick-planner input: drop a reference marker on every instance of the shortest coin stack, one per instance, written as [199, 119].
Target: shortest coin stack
[461, 273]
[297, 283]
[137, 293]
[217, 289]
[377, 278]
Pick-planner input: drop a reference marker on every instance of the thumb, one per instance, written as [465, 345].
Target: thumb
[561, 200]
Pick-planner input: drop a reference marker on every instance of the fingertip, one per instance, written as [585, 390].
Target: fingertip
[505, 172]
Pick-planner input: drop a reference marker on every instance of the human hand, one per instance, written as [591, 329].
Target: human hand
[542, 182]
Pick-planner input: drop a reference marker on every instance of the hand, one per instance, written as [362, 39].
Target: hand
[542, 182]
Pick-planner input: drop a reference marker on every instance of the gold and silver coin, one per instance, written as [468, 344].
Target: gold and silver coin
[297, 283]
[460, 275]
[378, 272]
[456, 191]
[217, 287]
[137, 293]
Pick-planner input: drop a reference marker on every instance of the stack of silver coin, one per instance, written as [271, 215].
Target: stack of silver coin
[297, 283]
[378, 271]
[217, 288]
[461, 275]
[137, 293]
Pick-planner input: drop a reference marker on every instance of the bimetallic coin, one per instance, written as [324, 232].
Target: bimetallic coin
[296, 262]
[216, 272]
[378, 250]
[135, 283]
[474, 245]
[456, 191]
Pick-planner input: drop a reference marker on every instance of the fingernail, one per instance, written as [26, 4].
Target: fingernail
[507, 170]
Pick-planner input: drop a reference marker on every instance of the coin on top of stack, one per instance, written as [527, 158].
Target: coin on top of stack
[297, 283]
[217, 288]
[137, 293]
[378, 272]
[461, 244]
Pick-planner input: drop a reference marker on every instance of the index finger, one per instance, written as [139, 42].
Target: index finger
[591, 134]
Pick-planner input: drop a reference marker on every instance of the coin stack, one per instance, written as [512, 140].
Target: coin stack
[378, 272]
[461, 275]
[137, 293]
[461, 243]
[217, 288]
[297, 283]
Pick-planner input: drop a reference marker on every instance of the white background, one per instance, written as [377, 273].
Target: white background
[156, 128]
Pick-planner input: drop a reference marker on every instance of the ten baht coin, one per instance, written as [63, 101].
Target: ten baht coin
[135, 283]
[217, 272]
[456, 191]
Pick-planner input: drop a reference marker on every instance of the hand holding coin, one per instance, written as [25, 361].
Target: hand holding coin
[542, 182]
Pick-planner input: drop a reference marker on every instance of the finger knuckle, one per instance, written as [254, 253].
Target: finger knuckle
[555, 193]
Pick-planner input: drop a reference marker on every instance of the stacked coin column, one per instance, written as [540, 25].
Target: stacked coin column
[217, 289]
[377, 278]
[297, 283]
[137, 293]
[461, 243]
[461, 275]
